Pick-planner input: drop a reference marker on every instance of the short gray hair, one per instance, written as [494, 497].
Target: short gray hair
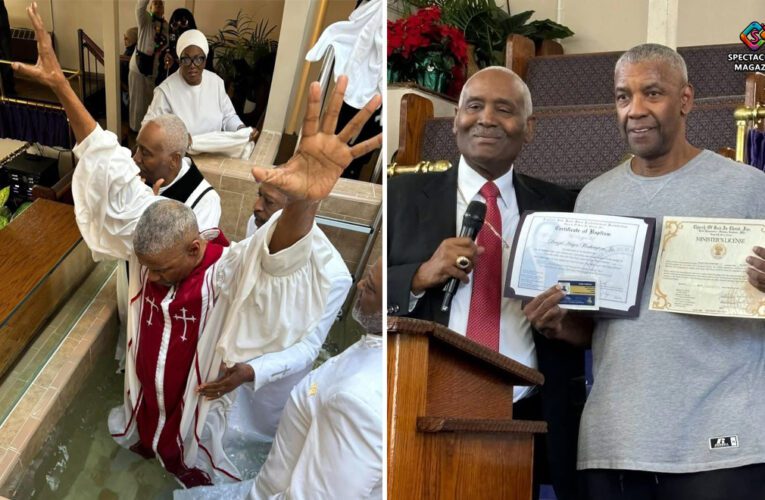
[176, 134]
[528, 107]
[653, 52]
[163, 225]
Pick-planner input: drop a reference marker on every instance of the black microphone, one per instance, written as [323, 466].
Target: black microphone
[471, 224]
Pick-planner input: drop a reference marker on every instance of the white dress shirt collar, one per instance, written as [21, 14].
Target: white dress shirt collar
[185, 166]
[470, 182]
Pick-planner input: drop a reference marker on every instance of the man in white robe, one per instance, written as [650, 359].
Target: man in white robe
[263, 385]
[329, 442]
[191, 294]
[160, 155]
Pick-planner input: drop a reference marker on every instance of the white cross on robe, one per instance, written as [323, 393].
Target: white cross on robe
[151, 310]
[185, 319]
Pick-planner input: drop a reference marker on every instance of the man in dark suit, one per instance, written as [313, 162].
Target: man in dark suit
[425, 212]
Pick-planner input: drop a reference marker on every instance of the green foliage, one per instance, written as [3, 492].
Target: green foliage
[240, 46]
[486, 26]
[6, 215]
[5, 212]
[21, 209]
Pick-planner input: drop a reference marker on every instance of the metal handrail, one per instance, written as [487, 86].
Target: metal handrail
[744, 115]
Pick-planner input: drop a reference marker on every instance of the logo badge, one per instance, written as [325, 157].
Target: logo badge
[753, 35]
[723, 442]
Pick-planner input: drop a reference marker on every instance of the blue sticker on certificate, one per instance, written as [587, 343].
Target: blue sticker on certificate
[580, 294]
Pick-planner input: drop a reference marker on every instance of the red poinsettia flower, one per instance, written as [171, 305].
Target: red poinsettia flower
[422, 40]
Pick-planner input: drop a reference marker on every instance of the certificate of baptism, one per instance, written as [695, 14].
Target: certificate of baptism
[701, 267]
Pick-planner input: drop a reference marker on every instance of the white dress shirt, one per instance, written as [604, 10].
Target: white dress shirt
[515, 339]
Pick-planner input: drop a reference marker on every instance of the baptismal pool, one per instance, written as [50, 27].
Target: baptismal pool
[80, 461]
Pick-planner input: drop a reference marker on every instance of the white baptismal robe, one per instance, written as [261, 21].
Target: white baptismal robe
[259, 404]
[236, 144]
[203, 108]
[329, 442]
[358, 47]
[109, 199]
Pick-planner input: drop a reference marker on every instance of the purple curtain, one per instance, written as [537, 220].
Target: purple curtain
[755, 146]
[34, 124]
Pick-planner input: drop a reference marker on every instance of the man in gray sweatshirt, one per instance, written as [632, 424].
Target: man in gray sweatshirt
[668, 387]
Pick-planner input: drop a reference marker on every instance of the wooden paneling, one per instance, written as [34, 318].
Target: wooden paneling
[415, 111]
[458, 387]
[40, 263]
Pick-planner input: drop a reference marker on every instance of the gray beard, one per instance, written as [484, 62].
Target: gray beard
[371, 323]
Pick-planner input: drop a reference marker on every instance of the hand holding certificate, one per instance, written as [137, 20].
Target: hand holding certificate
[702, 267]
[601, 260]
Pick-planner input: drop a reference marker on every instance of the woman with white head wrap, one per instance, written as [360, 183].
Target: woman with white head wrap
[194, 94]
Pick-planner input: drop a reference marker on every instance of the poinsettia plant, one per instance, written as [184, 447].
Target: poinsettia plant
[423, 49]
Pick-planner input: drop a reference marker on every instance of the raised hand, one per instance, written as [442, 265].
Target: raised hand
[321, 156]
[47, 70]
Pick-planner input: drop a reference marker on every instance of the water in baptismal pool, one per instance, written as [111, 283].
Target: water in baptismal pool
[81, 461]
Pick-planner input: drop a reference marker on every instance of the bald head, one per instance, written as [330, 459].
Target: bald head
[518, 85]
[493, 121]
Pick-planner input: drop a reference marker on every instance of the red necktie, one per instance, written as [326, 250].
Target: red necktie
[483, 320]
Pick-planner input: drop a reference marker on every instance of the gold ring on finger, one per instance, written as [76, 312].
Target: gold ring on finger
[462, 262]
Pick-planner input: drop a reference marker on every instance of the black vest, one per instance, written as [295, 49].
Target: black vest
[183, 187]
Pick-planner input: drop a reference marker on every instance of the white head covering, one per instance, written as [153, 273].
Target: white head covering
[191, 37]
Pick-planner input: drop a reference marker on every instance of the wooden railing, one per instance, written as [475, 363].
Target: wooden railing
[91, 74]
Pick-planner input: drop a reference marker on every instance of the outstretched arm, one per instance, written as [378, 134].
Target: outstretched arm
[48, 72]
[309, 176]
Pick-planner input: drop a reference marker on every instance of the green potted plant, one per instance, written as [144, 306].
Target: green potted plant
[6, 214]
[244, 55]
[486, 26]
[424, 49]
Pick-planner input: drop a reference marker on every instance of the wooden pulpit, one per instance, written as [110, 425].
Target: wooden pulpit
[451, 433]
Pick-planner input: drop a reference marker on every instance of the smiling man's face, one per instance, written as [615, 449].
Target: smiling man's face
[652, 100]
[491, 125]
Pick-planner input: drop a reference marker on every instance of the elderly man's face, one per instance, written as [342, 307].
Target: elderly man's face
[192, 63]
[651, 102]
[171, 266]
[152, 157]
[270, 200]
[490, 125]
[367, 310]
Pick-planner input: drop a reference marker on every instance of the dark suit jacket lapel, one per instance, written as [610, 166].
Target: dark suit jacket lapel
[438, 208]
[528, 198]
[438, 213]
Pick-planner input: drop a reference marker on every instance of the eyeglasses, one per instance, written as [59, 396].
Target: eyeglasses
[198, 61]
[180, 23]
